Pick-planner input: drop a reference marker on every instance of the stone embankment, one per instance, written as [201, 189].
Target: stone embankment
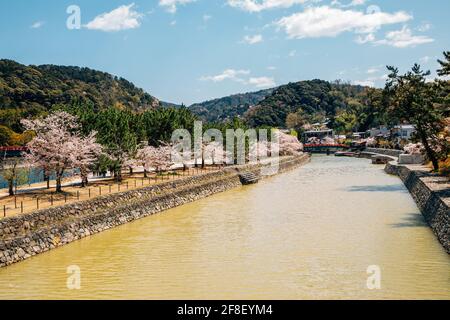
[24, 236]
[386, 152]
[432, 195]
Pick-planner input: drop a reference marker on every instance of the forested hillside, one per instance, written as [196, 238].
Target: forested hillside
[311, 101]
[227, 108]
[30, 90]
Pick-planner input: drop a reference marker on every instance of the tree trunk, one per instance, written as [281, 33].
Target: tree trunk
[59, 176]
[47, 179]
[430, 153]
[58, 183]
[84, 180]
[118, 175]
[11, 187]
[145, 173]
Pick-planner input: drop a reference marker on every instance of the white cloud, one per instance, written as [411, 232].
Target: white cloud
[37, 24]
[292, 53]
[171, 5]
[403, 38]
[239, 76]
[262, 82]
[372, 81]
[372, 70]
[230, 74]
[206, 18]
[364, 83]
[354, 3]
[324, 21]
[173, 23]
[424, 27]
[364, 39]
[122, 18]
[425, 59]
[271, 68]
[253, 39]
[257, 6]
[357, 2]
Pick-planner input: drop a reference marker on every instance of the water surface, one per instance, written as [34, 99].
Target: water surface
[307, 234]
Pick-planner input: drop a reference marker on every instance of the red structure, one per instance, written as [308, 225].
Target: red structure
[13, 148]
[13, 151]
[325, 145]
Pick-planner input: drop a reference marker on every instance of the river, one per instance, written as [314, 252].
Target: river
[307, 234]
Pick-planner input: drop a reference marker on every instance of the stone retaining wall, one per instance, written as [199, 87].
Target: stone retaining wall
[433, 207]
[388, 152]
[27, 235]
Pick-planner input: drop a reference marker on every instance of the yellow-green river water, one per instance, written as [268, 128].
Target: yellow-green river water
[310, 233]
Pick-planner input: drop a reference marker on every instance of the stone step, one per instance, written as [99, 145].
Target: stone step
[248, 178]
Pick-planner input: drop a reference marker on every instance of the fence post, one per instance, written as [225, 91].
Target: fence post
[21, 206]
[127, 185]
[100, 190]
[78, 194]
[89, 190]
[109, 188]
[37, 203]
[51, 199]
[15, 202]
[4, 210]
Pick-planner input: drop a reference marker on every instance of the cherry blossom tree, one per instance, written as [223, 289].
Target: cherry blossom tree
[414, 148]
[259, 150]
[159, 158]
[85, 151]
[371, 142]
[58, 145]
[145, 158]
[313, 140]
[288, 144]
[213, 151]
[328, 140]
[163, 158]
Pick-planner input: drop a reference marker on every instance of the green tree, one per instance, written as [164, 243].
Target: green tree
[345, 122]
[412, 99]
[296, 120]
[445, 64]
[445, 84]
[13, 174]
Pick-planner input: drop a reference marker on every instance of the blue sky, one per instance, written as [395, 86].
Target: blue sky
[193, 50]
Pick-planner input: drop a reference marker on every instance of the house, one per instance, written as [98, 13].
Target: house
[381, 131]
[404, 131]
[319, 134]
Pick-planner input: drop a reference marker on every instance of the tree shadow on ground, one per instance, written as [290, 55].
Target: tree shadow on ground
[410, 221]
[378, 188]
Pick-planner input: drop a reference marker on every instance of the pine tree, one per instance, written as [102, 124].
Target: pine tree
[412, 99]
